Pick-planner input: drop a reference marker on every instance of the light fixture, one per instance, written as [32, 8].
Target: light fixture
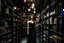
[15, 8]
[24, 0]
[29, 9]
[34, 8]
[34, 11]
[33, 5]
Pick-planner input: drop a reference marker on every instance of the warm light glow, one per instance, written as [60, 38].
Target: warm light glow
[34, 11]
[31, 0]
[15, 8]
[29, 9]
[34, 8]
[33, 5]
[24, 0]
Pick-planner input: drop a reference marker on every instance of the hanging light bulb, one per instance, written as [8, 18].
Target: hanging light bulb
[34, 11]
[24, 0]
[15, 8]
[34, 8]
[33, 5]
[29, 9]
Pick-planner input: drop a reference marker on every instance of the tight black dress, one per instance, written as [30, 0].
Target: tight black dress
[31, 36]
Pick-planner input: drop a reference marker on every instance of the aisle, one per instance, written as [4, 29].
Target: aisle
[38, 40]
[24, 40]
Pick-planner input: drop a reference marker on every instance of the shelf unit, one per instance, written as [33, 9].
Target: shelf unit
[11, 27]
[52, 21]
[24, 29]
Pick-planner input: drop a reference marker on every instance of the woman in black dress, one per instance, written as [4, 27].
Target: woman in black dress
[32, 35]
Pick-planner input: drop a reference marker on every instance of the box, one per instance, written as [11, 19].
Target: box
[55, 20]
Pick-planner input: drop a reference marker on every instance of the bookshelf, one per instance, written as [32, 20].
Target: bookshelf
[52, 21]
[11, 21]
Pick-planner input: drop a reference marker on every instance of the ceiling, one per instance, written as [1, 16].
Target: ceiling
[23, 6]
[21, 3]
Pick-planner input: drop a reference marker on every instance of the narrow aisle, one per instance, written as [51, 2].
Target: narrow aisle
[37, 40]
[24, 40]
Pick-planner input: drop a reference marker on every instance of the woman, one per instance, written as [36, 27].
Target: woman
[31, 35]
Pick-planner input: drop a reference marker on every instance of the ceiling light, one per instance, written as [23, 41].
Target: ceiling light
[15, 8]
[24, 0]
[34, 8]
[29, 9]
[33, 5]
[34, 11]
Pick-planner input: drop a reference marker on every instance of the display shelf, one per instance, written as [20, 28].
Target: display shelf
[9, 15]
[5, 33]
[9, 2]
[51, 19]
[58, 33]
[12, 22]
